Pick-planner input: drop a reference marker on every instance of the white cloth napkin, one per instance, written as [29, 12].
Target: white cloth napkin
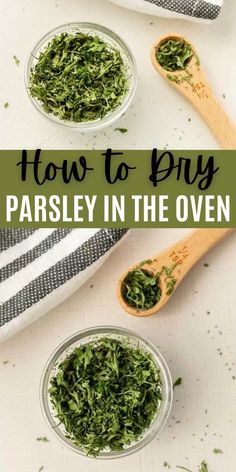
[41, 268]
[195, 10]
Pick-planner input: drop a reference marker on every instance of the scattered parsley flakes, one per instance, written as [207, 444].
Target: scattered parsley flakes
[217, 451]
[106, 393]
[43, 439]
[174, 78]
[41, 468]
[178, 382]
[165, 464]
[147, 261]
[6, 104]
[17, 61]
[223, 95]
[121, 130]
[206, 264]
[170, 281]
[203, 467]
[180, 78]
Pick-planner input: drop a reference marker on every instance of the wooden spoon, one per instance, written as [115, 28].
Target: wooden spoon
[192, 83]
[177, 262]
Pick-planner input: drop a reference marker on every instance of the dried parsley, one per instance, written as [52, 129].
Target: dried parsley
[165, 464]
[174, 54]
[106, 394]
[121, 130]
[203, 467]
[141, 290]
[170, 280]
[178, 382]
[43, 439]
[217, 451]
[180, 78]
[79, 77]
[6, 104]
[17, 61]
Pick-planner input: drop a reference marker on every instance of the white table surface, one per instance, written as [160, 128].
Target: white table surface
[159, 115]
[199, 347]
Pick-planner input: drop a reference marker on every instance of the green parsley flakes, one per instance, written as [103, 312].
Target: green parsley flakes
[43, 439]
[203, 467]
[17, 61]
[106, 394]
[178, 382]
[217, 451]
[174, 54]
[121, 130]
[141, 290]
[79, 77]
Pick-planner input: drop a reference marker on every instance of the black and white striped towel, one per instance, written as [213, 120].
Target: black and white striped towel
[40, 268]
[195, 10]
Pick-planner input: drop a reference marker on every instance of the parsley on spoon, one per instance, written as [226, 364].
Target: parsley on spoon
[175, 58]
[146, 287]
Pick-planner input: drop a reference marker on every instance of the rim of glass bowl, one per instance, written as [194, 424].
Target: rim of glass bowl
[111, 38]
[89, 335]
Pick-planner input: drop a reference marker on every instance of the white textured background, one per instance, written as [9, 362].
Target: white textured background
[199, 347]
[159, 116]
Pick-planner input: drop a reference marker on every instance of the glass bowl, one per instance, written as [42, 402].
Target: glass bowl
[90, 335]
[109, 37]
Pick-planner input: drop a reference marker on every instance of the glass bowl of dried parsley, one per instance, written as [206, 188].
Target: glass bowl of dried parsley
[106, 392]
[81, 75]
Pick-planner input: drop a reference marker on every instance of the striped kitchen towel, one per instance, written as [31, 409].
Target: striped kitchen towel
[195, 10]
[39, 268]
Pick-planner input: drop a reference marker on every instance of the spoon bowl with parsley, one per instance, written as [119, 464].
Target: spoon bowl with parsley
[176, 59]
[173, 54]
[106, 392]
[81, 75]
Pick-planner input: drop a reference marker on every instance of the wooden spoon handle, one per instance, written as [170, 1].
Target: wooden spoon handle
[181, 257]
[221, 125]
[197, 245]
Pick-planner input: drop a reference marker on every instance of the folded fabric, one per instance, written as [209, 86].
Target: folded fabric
[195, 10]
[41, 268]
